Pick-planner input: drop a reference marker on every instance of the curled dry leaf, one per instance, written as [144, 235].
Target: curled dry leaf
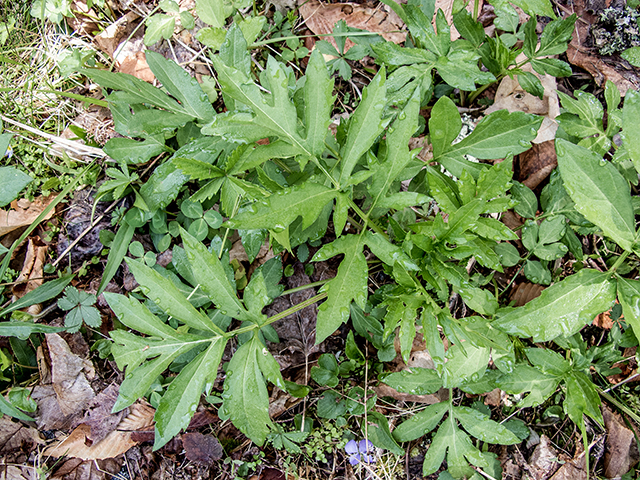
[31, 276]
[82, 21]
[99, 417]
[525, 292]
[65, 391]
[78, 445]
[23, 213]
[321, 17]
[572, 468]
[511, 96]
[109, 39]
[70, 375]
[537, 163]
[130, 59]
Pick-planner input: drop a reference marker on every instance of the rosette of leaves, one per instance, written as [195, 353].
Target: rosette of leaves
[457, 62]
[450, 442]
[180, 334]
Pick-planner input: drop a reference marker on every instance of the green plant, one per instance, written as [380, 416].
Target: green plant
[277, 172]
[80, 309]
[356, 52]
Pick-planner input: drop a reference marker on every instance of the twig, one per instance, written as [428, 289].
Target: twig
[86, 231]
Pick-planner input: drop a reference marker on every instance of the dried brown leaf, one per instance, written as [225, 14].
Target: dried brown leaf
[537, 163]
[511, 96]
[525, 292]
[69, 374]
[31, 276]
[622, 449]
[544, 460]
[131, 59]
[23, 213]
[14, 435]
[321, 17]
[99, 417]
[203, 449]
[78, 443]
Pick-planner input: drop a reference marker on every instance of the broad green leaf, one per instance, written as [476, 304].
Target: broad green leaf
[421, 423]
[414, 381]
[212, 12]
[137, 316]
[528, 202]
[536, 7]
[127, 150]
[326, 372]
[245, 395]
[163, 186]
[131, 351]
[495, 181]
[551, 66]
[480, 426]
[181, 86]
[463, 364]
[469, 28]
[497, 135]
[562, 309]
[318, 103]
[582, 398]
[350, 284]
[391, 54]
[158, 27]
[44, 292]
[208, 271]
[280, 209]
[548, 361]
[629, 297]
[166, 295]
[599, 191]
[438, 449]
[460, 70]
[631, 126]
[555, 36]
[523, 379]
[388, 252]
[444, 125]
[380, 435]
[631, 55]
[365, 125]
[181, 399]
[12, 181]
[275, 113]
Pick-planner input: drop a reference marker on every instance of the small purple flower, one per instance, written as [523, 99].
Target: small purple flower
[363, 450]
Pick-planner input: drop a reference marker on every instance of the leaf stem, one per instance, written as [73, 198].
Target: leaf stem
[319, 283]
[370, 223]
[619, 261]
[280, 316]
